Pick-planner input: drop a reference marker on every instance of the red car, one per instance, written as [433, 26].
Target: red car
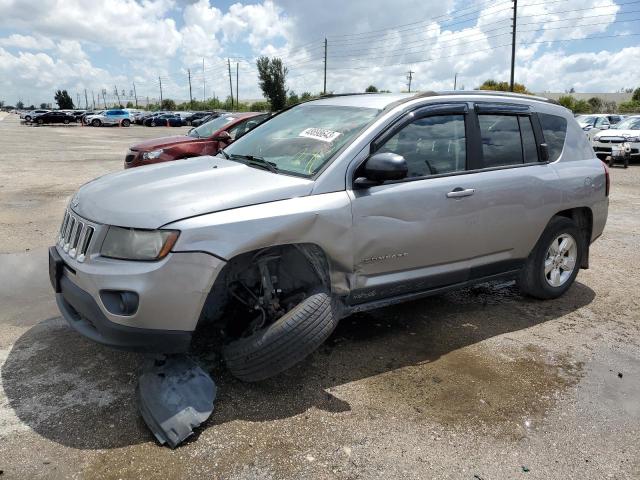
[207, 139]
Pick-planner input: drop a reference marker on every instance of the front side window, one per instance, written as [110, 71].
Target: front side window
[601, 122]
[431, 145]
[507, 140]
[632, 123]
[554, 129]
[207, 129]
[303, 139]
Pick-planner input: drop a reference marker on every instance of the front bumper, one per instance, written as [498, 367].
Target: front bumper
[603, 149]
[171, 295]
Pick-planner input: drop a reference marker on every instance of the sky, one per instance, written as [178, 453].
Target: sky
[45, 45]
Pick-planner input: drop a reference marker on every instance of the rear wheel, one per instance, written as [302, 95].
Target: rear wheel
[39, 121]
[66, 121]
[126, 123]
[554, 262]
[152, 124]
[95, 122]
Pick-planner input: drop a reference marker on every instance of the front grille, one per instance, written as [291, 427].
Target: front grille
[603, 149]
[611, 140]
[75, 236]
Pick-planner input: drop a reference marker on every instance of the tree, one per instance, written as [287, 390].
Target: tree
[63, 99]
[1, 103]
[596, 104]
[259, 107]
[44, 105]
[305, 96]
[293, 98]
[129, 104]
[566, 101]
[503, 86]
[20, 105]
[636, 95]
[576, 106]
[168, 104]
[371, 89]
[272, 74]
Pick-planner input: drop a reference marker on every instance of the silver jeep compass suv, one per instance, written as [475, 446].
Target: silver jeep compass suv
[333, 206]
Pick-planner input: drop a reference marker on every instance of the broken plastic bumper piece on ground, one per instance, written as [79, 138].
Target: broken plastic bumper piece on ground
[175, 396]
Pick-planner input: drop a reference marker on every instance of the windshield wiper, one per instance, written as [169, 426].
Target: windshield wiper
[224, 154]
[257, 161]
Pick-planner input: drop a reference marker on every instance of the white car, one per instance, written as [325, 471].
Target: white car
[592, 124]
[31, 114]
[627, 131]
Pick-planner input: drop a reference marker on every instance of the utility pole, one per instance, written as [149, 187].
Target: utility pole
[86, 100]
[135, 94]
[324, 88]
[230, 82]
[104, 99]
[160, 80]
[117, 95]
[78, 98]
[237, 87]
[410, 77]
[513, 42]
[455, 81]
[204, 84]
[93, 97]
[190, 94]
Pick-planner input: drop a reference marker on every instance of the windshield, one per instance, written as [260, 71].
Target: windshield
[587, 119]
[628, 124]
[209, 128]
[304, 138]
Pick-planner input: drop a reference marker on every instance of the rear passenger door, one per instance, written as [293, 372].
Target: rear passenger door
[516, 188]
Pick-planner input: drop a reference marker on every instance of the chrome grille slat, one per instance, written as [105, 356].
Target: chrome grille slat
[75, 236]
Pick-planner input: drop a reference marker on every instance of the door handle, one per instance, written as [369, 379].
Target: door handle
[461, 192]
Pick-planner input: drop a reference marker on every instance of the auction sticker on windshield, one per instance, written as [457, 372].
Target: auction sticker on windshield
[321, 134]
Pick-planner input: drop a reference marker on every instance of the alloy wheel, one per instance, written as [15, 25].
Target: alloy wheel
[560, 260]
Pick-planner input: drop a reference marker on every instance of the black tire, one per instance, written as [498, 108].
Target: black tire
[532, 279]
[95, 122]
[152, 124]
[66, 121]
[285, 342]
[27, 119]
[40, 121]
[126, 123]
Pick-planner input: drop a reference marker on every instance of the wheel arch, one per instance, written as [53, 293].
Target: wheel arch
[583, 217]
[314, 257]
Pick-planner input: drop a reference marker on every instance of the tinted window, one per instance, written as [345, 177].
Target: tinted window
[602, 121]
[529, 148]
[554, 129]
[500, 140]
[431, 145]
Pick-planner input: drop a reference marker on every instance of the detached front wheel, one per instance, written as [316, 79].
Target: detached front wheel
[285, 342]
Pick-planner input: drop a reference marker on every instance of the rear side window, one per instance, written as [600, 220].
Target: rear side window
[501, 143]
[554, 129]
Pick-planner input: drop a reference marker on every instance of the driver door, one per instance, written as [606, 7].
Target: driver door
[416, 234]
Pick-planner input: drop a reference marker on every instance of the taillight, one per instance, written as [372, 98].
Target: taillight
[607, 180]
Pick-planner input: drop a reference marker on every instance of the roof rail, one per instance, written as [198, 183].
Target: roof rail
[495, 93]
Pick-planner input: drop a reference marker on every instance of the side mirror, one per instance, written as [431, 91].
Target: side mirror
[544, 152]
[191, 130]
[223, 136]
[381, 167]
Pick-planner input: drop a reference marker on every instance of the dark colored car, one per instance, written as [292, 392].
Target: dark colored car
[165, 120]
[196, 116]
[207, 139]
[54, 117]
[206, 119]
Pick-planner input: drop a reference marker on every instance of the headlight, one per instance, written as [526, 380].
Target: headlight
[133, 244]
[631, 139]
[152, 155]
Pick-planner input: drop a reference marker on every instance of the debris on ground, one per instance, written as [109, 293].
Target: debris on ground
[175, 396]
[525, 469]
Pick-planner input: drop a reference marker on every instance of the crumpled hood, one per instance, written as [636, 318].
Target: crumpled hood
[156, 143]
[154, 195]
[612, 132]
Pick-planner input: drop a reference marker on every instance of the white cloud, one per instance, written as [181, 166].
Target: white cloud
[27, 42]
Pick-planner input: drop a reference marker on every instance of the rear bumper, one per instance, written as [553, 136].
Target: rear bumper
[83, 314]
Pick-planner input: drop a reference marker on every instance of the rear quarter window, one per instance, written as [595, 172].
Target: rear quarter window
[554, 129]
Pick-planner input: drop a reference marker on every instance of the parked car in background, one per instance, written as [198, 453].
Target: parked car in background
[109, 117]
[627, 131]
[54, 117]
[164, 120]
[334, 206]
[207, 139]
[594, 123]
[28, 116]
[202, 120]
[196, 116]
